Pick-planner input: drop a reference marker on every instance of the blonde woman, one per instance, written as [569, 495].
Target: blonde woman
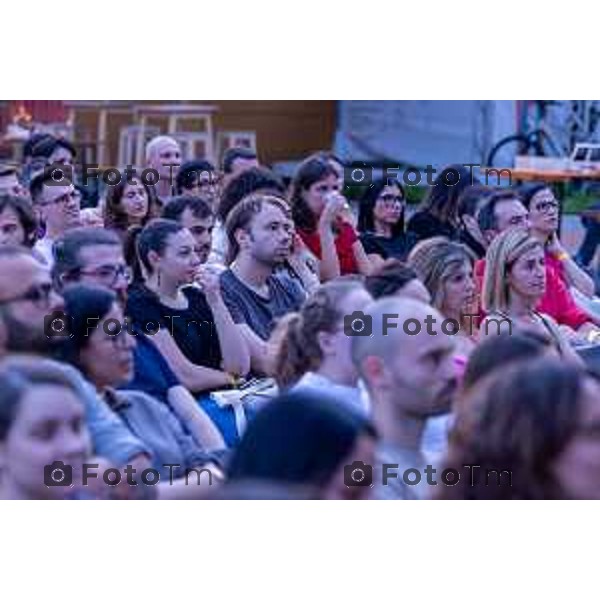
[446, 270]
[514, 282]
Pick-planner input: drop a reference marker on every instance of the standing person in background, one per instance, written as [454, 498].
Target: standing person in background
[437, 214]
[321, 217]
[163, 154]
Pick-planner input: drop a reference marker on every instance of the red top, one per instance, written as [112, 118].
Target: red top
[345, 237]
[557, 301]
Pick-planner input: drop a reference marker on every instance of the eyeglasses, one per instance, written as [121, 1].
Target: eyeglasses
[110, 274]
[64, 199]
[39, 295]
[391, 199]
[546, 205]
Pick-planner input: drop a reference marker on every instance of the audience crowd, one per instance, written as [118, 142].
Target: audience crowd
[228, 334]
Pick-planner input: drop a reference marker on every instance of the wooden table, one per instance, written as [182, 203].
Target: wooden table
[550, 176]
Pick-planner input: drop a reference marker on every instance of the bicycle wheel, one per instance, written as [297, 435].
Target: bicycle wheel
[504, 152]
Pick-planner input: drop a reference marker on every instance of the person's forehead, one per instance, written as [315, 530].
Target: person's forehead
[425, 343]
[8, 215]
[270, 214]
[188, 219]
[19, 273]
[181, 238]
[510, 207]
[167, 146]
[50, 402]
[52, 192]
[101, 254]
[8, 181]
[532, 254]
[542, 195]
[60, 153]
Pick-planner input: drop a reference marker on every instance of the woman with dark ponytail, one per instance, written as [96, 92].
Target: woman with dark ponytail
[312, 351]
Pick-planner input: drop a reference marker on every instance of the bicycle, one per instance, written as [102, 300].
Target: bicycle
[538, 137]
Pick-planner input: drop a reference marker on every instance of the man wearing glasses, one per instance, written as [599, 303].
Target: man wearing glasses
[27, 303]
[58, 206]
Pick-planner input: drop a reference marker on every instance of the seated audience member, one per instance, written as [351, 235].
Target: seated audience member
[395, 278]
[250, 181]
[129, 204]
[515, 280]
[58, 207]
[26, 299]
[95, 257]
[18, 224]
[236, 160]
[195, 331]
[544, 217]
[301, 440]
[381, 222]
[102, 349]
[199, 179]
[437, 214]
[323, 220]
[163, 154]
[42, 420]
[9, 183]
[504, 210]
[259, 231]
[196, 215]
[313, 349]
[410, 378]
[471, 201]
[446, 270]
[531, 431]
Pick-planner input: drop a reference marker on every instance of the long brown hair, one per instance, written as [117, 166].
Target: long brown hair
[116, 218]
[518, 420]
[295, 338]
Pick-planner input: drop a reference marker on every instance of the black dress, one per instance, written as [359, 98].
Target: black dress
[193, 328]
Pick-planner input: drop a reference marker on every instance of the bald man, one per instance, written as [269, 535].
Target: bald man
[410, 376]
[161, 152]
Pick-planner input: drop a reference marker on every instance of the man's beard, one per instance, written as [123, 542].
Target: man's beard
[25, 338]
